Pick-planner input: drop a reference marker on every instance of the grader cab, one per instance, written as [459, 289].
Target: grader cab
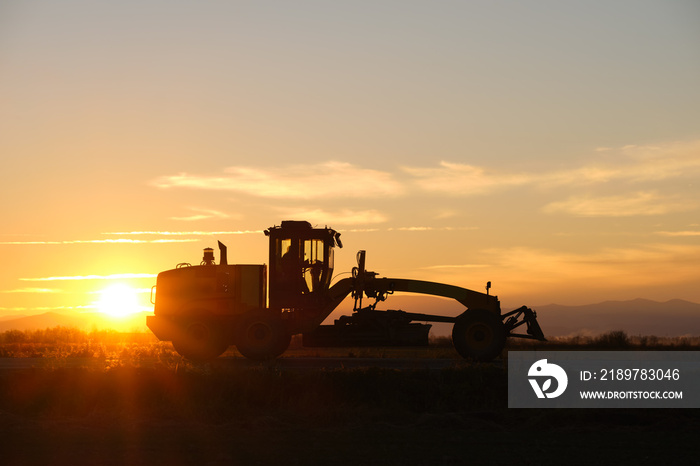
[206, 308]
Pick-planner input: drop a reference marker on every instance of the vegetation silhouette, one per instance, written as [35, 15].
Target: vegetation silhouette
[115, 348]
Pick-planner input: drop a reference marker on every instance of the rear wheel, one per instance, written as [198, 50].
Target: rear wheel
[200, 340]
[479, 335]
[262, 336]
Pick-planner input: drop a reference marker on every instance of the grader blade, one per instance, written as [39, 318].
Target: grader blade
[369, 327]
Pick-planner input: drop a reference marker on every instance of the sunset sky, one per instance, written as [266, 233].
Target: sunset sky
[551, 147]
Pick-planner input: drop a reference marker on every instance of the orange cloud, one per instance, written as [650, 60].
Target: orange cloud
[32, 290]
[678, 233]
[183, 233]
[116, 276]
[324, 180]
[339, 217]
[629, 163]
[98, 241]
[203, 214]
[641, 203]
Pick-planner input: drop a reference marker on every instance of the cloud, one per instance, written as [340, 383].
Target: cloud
[455, 178]
[98, 241]
[550, 263]
[115, 276]
[457, 266]
[44, 308]
[413, 229]
[184, 233]
[630, 163]
[324, 180]
[135, 290]
[443, 214]
[33, 290]
[197, 233]
[636, 169]
[654, 163]
[424, 228]
[641, 203]
[203, 214]
[339, 217]
[678, 233]
[631, 271]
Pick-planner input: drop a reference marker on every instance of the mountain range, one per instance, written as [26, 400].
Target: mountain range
[636, 317]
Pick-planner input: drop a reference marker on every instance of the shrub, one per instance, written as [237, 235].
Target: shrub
[614, 339]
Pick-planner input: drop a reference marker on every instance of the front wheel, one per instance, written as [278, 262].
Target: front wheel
[262, 336]
[200, 340]
[479, 335]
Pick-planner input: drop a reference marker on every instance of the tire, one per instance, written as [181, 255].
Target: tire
[479, 335]
[262, 336]
[200, 340]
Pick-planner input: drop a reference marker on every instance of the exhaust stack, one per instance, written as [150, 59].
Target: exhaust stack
[222, 254]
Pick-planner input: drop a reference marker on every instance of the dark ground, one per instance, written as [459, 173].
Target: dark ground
[214, 414]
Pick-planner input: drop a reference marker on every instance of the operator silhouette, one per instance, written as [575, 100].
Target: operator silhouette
[291, 277]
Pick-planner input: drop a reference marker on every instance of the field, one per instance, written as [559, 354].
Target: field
[110, 398]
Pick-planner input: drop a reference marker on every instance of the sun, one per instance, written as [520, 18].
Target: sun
[118, 300]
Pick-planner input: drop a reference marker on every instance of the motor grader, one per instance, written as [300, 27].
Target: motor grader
[204, 309]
